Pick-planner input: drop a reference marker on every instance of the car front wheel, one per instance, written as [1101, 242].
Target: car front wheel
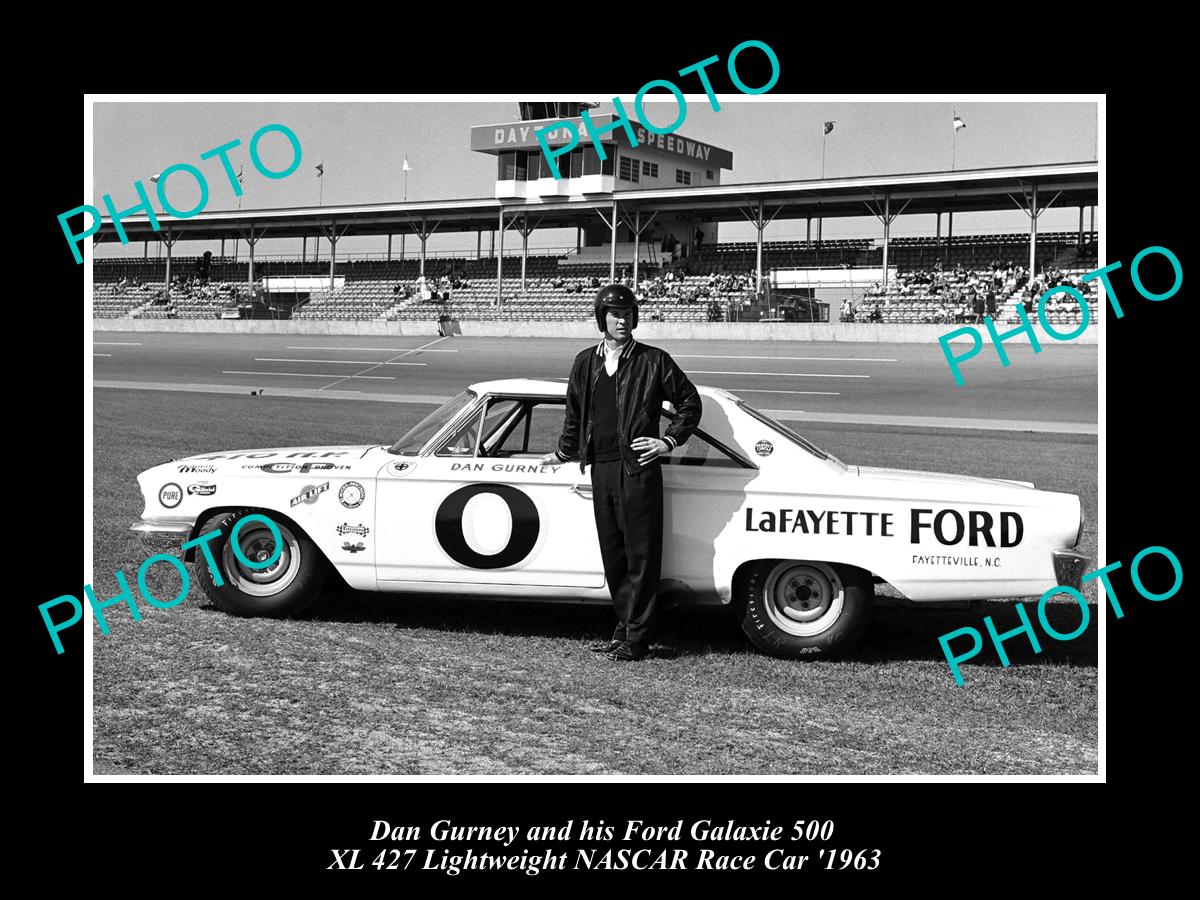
[286, 587]
[803, 609]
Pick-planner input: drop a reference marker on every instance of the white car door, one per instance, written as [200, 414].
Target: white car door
[704, 487]
[480, 510]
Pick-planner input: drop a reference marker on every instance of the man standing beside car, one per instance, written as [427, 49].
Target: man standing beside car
[614, 402]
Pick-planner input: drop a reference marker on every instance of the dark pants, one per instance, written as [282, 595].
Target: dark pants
[629, 520]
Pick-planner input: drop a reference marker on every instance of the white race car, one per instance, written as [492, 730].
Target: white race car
[755, 516]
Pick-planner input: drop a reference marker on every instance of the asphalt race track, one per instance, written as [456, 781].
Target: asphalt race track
[904, 385]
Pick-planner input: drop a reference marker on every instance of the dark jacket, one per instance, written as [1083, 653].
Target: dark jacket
[645, 377]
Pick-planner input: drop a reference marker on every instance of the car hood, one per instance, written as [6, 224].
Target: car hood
[937, 477]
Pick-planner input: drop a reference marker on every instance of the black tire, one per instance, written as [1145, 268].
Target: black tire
[803, 609]
[286, 588]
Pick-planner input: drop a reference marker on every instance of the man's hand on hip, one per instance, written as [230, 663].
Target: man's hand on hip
[647, 448]
[550, 459]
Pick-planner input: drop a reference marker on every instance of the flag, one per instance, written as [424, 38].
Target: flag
[828, 127]
[407, 167]
[154, 178]
[320, 167]
[958, 124]
[240, 170]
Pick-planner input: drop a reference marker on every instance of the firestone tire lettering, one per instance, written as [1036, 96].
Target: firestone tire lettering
[751, 599]
[526, 526]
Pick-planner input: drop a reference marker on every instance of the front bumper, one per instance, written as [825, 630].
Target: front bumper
[162, 535]
[1069, 566]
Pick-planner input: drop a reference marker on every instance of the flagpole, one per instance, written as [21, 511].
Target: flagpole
[954, 139]
[404, 234]
[824, 135]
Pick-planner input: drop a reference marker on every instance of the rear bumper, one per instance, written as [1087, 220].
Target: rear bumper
[164, 534]
[1069, 566]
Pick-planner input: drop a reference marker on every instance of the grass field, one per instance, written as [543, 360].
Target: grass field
[374, 683]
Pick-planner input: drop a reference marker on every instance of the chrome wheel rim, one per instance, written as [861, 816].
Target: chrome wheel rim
[803, 598]
[258, 544]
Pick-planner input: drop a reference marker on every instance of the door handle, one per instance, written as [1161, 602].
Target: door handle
[581, 490]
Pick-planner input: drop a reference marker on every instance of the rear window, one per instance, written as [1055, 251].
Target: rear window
[789, 434]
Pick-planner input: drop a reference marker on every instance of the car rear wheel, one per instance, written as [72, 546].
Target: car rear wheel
[286, 587]
[803, 608]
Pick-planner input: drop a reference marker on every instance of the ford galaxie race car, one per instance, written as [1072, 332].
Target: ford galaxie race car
[755, 516]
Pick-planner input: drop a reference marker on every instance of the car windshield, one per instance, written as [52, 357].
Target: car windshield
[790, 435]
[418, 436]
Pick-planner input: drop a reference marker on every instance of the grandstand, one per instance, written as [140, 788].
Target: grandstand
[559, 288]
[647, 214]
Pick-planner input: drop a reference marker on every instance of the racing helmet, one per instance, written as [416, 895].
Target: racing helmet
[619, 296]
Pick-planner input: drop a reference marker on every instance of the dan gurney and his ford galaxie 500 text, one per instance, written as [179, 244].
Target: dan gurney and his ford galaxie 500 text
[755, 517]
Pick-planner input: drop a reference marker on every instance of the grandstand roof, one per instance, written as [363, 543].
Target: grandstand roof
[1070, 184]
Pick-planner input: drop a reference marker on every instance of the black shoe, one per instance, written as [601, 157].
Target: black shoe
[607, 646]
[629, 651]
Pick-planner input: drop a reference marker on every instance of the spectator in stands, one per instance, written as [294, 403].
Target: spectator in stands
[977, 305]
[876, 314]
[990, 303]
[847, 314]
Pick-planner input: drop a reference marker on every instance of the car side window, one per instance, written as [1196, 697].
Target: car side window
[479, 435]
[701, 450]
[533, 432]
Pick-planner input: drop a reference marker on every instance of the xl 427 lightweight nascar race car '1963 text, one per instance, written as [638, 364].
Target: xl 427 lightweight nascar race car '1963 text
[755, 516]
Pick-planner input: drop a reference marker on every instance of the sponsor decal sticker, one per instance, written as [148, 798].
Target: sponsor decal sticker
[202, 488]
[196, 470]
[351, 495]
[949, 527]
[401, 467]
[304, 467]
[353, 529]
[354, 548]
[764, 448]
[310, 493]
[170, 495]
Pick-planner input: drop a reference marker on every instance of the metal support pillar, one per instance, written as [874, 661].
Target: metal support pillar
[334, 236]
[170, 243]
[250, 242]
[424, 233]
[612, 251]
[1079, 240]
[808, 233]
[1033, 218]
[886, 216]
[637, 226]
[760, 223]
[524, 247]
[389, 250]
[637, 240]
[1033, 208]
[304, 249]
[479, 243]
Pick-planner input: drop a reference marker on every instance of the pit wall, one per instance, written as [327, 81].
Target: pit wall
[650, 331]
